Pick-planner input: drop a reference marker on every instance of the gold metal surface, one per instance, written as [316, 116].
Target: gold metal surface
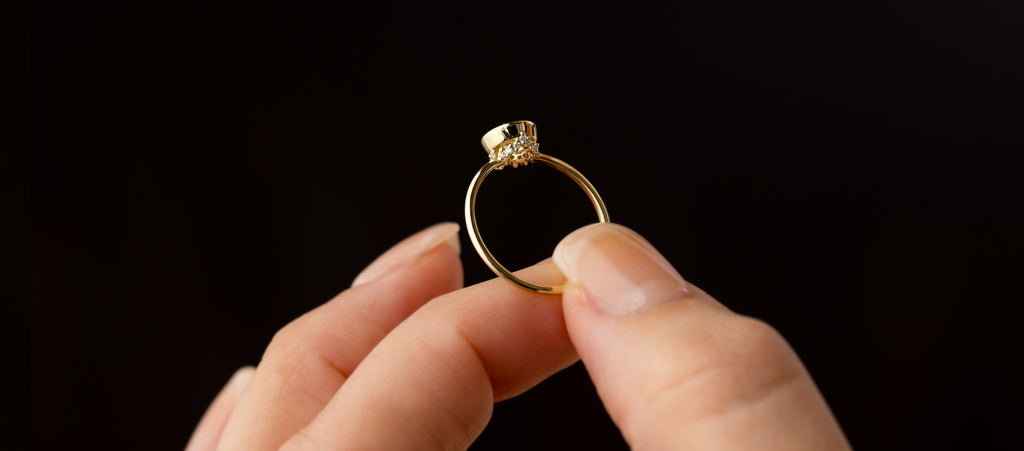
[505, 132]
[518, 141]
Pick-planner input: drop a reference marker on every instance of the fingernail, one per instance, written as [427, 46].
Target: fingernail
[619, 272]
[209, 429]
[236, 385]
[405, 252]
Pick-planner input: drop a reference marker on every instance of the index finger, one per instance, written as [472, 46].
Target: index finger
[436, 376]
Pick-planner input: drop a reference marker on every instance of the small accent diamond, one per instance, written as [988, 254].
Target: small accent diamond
[520, 151]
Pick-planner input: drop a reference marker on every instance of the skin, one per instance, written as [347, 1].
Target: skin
[408, 349]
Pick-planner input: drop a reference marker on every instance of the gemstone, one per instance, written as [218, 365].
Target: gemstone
[521, 150]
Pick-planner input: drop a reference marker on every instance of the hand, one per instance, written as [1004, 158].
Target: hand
[405, 359]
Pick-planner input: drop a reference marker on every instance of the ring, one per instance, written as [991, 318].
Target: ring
[515, 144]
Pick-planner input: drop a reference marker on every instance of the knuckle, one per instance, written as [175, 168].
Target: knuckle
[742, 362]
[756, 359]
[756, 339]
[285, 339]
[297, 363]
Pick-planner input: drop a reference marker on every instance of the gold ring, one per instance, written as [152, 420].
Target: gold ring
[515, 144]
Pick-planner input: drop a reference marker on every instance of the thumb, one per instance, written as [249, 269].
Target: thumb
[675, 368]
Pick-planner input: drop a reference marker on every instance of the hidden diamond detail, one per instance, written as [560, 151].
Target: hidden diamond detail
[520, 151]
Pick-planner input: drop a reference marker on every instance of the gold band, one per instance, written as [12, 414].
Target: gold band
[515, 144]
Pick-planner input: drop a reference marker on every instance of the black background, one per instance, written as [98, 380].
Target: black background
[202, 175]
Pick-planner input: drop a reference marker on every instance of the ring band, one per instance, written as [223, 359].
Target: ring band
[515, 144]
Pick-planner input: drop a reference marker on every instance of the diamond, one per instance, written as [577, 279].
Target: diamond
[520, 151]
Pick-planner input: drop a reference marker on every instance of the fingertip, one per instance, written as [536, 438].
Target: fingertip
[410, 249]
[619, 271]
[444, 367]
[211, 426]
[239, 381]
[435, 272]
[674, 368]
[310, 358]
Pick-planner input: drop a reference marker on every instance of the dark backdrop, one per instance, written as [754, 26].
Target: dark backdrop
[202, 175]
